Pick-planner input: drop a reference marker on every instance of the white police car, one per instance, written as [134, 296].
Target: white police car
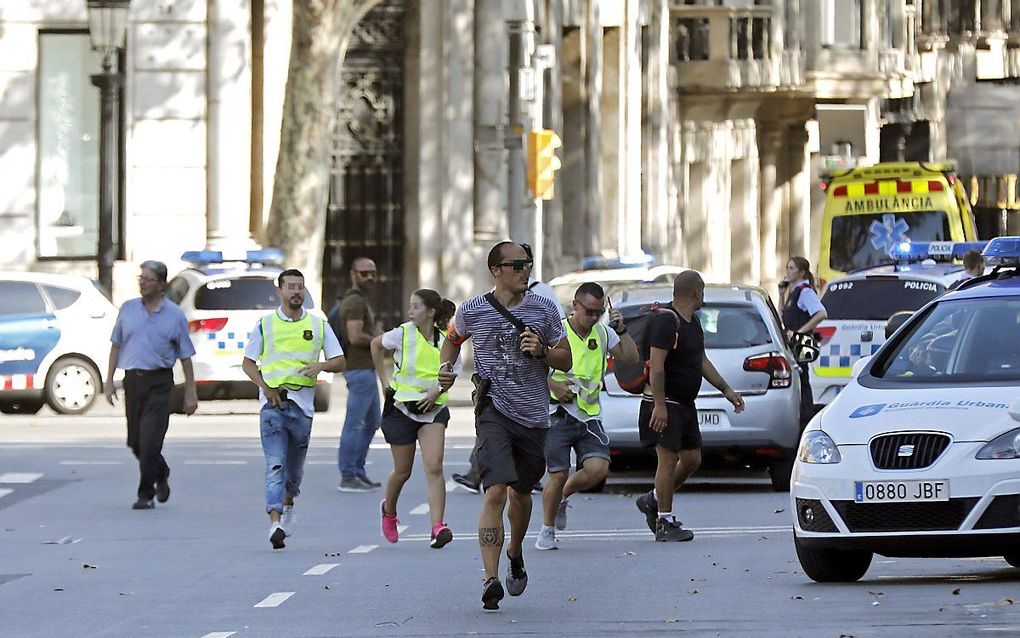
[223, 299]
[54, 342]
[859, 305]
[920, 453]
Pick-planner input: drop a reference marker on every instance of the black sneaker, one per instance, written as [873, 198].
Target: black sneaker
[143, 504]
[465, 481]
[163, 490]
[492, 593]
[516, 576]
[649, 507]
[671, 531]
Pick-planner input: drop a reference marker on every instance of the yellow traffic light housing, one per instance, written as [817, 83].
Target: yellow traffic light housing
[542, 162]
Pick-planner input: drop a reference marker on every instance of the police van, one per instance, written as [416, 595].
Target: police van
[860, 304]
[919, 456]
[223, 297]
[54, 342]
[869, 211]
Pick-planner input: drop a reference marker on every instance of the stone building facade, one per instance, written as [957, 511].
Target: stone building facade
[693, 130]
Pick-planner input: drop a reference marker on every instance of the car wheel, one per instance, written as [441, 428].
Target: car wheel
[72, 386]
[21, 406]
[779, 473]
[1013, 558]
[321, 401]
[833, 565]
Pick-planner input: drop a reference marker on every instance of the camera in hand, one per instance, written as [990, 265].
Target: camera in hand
[520, 343]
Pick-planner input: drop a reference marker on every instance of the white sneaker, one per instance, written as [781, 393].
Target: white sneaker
[276, 536]
[288, 520]
[547, 539]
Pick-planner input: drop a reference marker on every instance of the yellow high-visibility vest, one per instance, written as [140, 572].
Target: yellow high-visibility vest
[588, 367]
[288, 346]
[417, 372]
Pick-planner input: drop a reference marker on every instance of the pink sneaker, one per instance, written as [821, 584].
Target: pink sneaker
[441, 535]
[389, 523]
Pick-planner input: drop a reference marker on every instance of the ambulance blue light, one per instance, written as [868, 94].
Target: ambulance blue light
[202, 257]
[1003, 251]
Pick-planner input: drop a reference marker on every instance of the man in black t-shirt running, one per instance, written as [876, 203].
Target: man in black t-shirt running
[668, 419]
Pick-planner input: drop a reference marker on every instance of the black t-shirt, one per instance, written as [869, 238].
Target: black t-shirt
[683, 364]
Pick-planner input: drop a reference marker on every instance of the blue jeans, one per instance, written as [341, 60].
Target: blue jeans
[285, 435]
[361, 422]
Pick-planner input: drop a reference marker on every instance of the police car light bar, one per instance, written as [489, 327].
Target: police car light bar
[1003, 251]
[199, 258]
[935, 250]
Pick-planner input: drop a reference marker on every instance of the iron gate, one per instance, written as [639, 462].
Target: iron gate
[365, 215]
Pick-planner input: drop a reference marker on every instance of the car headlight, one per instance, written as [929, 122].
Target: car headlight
[818, 447]
[1004, 446]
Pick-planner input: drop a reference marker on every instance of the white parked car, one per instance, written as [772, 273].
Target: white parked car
[54, 342]
[223, 300]
[920, 454]
[612, 280]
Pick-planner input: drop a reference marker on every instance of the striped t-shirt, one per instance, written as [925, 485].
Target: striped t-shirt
[520, 386]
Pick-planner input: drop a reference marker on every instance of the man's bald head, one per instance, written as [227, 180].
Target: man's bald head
[687, 284]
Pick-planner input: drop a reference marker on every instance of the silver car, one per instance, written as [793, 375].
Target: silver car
[744, 341]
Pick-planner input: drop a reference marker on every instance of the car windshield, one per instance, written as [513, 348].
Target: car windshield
[966, 340]
[867, 240]
[877, 298]
[242, 293]
[732, 326]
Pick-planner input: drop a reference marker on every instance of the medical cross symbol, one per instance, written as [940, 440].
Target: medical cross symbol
[889, 233]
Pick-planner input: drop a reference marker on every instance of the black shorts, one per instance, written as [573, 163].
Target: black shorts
[400, 429]
[682, 431]
[509, 453]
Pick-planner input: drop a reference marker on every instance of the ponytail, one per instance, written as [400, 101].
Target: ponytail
[444, 308]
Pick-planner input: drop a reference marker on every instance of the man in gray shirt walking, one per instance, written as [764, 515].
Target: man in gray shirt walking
[150, 335]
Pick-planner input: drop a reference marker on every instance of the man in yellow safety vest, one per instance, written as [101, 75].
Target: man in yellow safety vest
[287, 343]
[575, 409]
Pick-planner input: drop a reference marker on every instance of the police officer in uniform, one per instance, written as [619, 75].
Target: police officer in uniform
[287, 344]
[802, 312]
[575, 411]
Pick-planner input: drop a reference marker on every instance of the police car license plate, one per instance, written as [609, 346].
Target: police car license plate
[713, 420]
[900, 491]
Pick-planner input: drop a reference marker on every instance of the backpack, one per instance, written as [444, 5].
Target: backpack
[633, 377]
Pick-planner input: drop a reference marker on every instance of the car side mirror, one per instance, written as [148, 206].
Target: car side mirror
[805, 347]
[859, 365]
[895, 321]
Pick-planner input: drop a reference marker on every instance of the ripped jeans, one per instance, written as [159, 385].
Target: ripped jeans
[285, 435]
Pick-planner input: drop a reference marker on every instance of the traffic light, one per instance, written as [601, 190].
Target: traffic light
[542, 162]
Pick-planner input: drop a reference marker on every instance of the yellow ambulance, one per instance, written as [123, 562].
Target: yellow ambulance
[869, 211]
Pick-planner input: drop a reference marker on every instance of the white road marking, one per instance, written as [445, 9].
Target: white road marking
[319, 570]
[420, 509]
[600, 534]
[275, 600]
[401, 529]
[19, 477]
[216, 462]
[362, 549]
[92, 462]
[220, 634]
[5, 492]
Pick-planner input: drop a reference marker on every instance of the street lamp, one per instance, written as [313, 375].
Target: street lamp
[108, 32]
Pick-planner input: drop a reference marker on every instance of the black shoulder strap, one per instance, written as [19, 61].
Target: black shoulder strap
[533, 284]
[517, 323]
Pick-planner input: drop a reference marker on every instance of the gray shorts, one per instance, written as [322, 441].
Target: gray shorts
[508, 452]
[586, 439]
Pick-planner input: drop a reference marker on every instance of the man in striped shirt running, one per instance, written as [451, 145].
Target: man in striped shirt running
[517, 337]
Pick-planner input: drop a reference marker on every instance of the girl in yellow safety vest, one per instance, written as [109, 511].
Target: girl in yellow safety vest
[415, 408]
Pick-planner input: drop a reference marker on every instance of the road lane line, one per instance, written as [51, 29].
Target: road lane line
[362, 549]
[420, 509]
[632, 533]
[92, 462]
[19, 477]
[401, 529]
[319, 570]
[220, 634]
[275, 600]
[5, 492]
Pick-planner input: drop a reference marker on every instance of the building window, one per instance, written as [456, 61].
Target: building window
[68, 147]
[841, 22]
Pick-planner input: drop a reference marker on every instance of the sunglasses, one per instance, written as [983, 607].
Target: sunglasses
[594, 313]
[517, 264]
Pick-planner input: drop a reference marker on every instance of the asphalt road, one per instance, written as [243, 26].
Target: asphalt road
[75, 560]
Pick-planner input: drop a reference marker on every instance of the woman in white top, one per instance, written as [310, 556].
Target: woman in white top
[415, 409]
